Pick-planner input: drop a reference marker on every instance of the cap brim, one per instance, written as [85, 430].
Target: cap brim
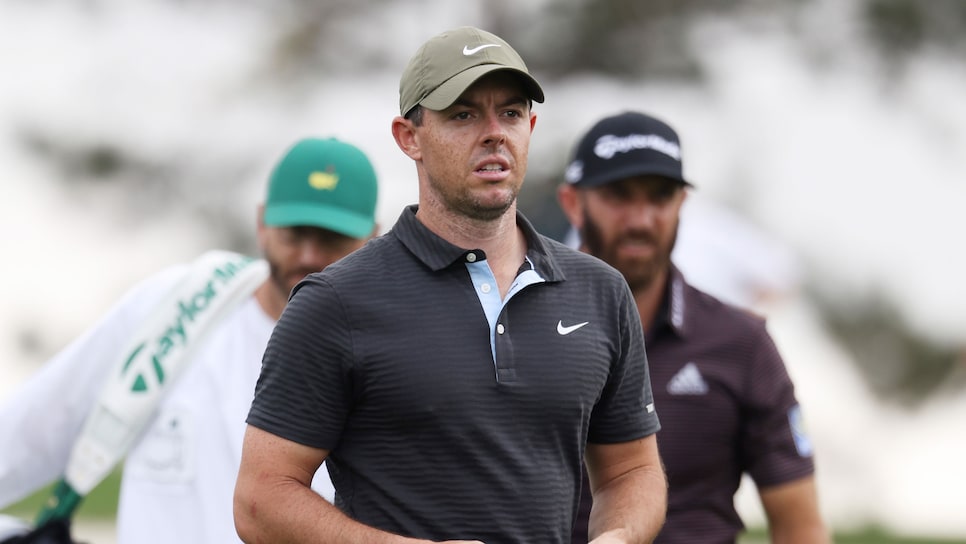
[337, 220]
[632, 171]
[451, 89]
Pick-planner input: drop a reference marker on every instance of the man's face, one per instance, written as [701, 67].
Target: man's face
[294, 252]
[474, 153]
[632, 225]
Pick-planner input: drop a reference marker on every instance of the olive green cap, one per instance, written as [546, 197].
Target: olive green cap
[446, 65]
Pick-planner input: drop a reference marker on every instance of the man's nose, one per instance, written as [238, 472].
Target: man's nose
[313, 255]
[494, 131]
[641, 212]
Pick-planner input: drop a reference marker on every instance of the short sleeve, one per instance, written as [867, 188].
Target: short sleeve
[304, 390]
[774, 442]
[625, 410]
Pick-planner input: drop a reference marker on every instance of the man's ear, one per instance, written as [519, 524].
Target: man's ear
[404, 132]
[260, 228]
[569, 198]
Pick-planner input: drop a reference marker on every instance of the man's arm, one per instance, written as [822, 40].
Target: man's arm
[275, 503]
[792, 512]
[629, 489]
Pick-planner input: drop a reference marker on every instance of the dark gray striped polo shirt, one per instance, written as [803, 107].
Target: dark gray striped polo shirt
[727, 408]
[385, 358]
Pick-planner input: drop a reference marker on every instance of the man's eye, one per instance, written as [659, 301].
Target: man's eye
[666, 192]
[293, 235]
[616, 190]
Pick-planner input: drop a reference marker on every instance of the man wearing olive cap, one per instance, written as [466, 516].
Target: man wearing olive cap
[453, 372]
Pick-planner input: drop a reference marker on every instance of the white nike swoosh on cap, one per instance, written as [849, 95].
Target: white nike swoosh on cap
[468, 51]
[563, 331]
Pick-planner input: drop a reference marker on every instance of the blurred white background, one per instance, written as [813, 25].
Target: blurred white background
[137, 134]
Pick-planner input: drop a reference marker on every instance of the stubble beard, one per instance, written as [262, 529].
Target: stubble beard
[279, 279]
[462, 202]
[284, 279]
[639, 274]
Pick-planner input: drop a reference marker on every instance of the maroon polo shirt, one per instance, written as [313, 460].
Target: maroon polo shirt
[727, 408]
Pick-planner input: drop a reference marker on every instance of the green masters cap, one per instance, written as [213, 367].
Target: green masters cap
[323, 183]
[450, 62]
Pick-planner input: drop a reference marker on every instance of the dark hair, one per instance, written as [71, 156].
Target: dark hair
[416, 115]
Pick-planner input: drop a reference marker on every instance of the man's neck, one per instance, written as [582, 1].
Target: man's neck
[501, 239]
[270, 299]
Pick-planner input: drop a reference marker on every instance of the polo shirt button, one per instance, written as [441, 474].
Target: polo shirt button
[500, 328]
[485, 288]
[471, 257]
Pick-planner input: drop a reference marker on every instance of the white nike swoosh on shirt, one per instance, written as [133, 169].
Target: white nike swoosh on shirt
[563, 331]
[468, 51]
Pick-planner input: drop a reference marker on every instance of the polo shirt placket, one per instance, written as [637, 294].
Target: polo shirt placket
[484, 283]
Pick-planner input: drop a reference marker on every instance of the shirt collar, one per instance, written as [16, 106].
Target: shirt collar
[674, 310]
[437, 254]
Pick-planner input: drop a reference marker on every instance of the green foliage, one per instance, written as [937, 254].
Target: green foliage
[101, 503]
[900, 27]
[898, 363]
[870, 535]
